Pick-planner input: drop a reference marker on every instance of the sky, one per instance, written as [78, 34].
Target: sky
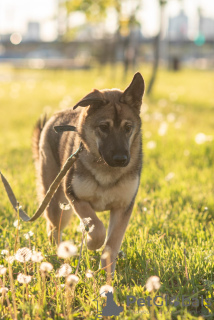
[14, 15]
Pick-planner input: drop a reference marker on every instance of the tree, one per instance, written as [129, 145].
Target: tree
[96, 11]
[162, 3]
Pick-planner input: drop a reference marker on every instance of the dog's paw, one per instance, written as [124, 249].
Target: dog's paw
[96, 237]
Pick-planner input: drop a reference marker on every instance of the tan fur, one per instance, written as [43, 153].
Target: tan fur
[107, 173]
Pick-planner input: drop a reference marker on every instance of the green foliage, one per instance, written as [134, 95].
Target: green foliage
[94, 10]
[174, 208]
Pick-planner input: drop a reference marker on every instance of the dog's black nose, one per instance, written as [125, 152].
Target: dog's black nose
[120, 160]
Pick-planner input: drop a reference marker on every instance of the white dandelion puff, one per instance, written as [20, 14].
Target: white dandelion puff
[23, 254]
[84, 225]
[37, 256]
[89, 274]
[22, 278]
[3, 290]
[64, 270]
[72, 279]
[105, 289]
[169, 176]
[201, 138]
[46, 267]
[171, 117]
[4, 252]
[66, 250]
[151, 144]
[10, 259]
[17, 224]
[153, 283]
[163, 128]
[28, 235]
[65, 206]
[3, 270]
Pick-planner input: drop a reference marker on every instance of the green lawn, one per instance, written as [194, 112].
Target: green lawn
[171, 232]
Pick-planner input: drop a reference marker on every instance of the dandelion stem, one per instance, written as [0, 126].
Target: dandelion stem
[108, 269]
[77, 269]
[105, 266]
[12, 290]
[4, 295]
[60, 221]
[186, 270]
[17, 230]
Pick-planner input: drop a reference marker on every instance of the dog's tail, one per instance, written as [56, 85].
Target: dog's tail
[36, 137]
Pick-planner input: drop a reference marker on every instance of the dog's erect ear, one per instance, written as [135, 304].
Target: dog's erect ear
[93, 98]
[133, 94]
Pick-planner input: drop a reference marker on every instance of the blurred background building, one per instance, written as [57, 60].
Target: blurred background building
[70, 34]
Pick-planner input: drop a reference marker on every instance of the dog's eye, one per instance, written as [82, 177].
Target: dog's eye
[104, 127]
[128, 128]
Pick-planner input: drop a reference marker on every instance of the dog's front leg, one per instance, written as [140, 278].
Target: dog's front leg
[117, 226]
[97, 233]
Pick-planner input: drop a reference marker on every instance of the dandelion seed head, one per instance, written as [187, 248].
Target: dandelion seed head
[163, 128]
[121, 255]
[171, 117]
[3, 290]
[169, 176]
[66, 250]
[37, 256]
[84, 225]
[153, 283]
[201, 138]
[64, 270]
[151, 144]
[10, 259]
[72, 279]
[22, 278]
[65, 206]
[105, 289]
[3, 270]
[4, 252]
[89, 274]
[46, 267]
[23, 254]
[28, 235]
[17, 224]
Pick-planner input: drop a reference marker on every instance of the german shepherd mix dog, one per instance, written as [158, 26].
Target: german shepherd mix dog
[107, 172]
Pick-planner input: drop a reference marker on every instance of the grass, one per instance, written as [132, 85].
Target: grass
[171, 232]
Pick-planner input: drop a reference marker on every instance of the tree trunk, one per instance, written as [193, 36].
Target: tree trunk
[157, 52]
[155, 64]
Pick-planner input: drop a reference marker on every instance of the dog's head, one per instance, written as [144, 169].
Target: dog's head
[111, 120]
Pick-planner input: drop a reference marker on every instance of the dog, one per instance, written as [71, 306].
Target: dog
[107, 172]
